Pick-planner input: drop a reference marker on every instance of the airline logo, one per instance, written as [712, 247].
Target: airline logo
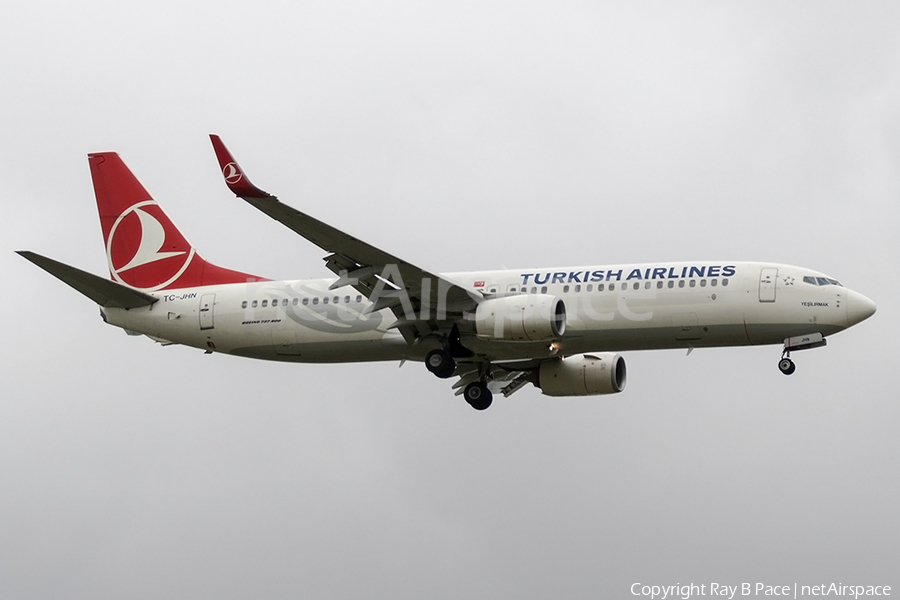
[232, 173]
[141, 253]
[541, 278]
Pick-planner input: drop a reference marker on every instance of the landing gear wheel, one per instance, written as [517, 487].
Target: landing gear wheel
[478, 395]
[786, 366]
[440, 363]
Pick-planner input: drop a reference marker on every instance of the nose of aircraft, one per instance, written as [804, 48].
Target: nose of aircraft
[859, 308]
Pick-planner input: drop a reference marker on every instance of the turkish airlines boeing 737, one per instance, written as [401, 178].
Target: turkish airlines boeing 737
[559, 329]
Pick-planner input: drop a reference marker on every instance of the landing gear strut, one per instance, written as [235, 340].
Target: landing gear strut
[440, 363]
[478, 395]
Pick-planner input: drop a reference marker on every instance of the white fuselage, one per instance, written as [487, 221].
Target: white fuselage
[624, 307]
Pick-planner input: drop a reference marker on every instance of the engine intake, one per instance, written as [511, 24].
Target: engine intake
[583, 375]
[524, 318]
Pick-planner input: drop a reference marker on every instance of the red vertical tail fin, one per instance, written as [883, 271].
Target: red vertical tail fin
[144, 249]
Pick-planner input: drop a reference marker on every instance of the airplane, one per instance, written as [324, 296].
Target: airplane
[560, 329]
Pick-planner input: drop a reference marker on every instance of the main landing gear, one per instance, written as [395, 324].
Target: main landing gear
[440, 363]
[478, 395]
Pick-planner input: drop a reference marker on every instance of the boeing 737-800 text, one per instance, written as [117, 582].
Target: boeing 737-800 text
[559, 329]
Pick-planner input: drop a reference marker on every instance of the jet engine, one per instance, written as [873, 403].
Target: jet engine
[523, 318]
[583, 375]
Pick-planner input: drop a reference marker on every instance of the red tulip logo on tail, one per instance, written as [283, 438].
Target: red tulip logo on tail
[141, 253]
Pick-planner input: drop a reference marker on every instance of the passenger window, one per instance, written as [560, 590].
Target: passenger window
[647, 285]
[254, 304]
[346, 299]
[565, 289]
[533, 290]
[681, 283]
[265, 303]
[702, 283]
[714, 282]
[359, 299]
[512, 289]
[295, 301]
[599, 287]
[306, 302]
[577, 288]
[612, 287]
[544, 290]
[671, 284]
[284, 302]
[659, 285]
[325, 300]
[590, 287]
[693, 283]
[244, 304]
[336, 300]
[315, 301]
[724, 282]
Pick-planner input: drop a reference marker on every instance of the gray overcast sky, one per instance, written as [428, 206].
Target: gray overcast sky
[464, 135]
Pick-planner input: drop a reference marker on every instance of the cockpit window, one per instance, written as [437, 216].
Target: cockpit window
[822, 281]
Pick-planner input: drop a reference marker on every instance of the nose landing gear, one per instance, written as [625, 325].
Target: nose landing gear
[786, 365]
[800, 342]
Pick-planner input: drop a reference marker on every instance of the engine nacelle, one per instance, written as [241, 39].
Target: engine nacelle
[523, 318]
[583, 375]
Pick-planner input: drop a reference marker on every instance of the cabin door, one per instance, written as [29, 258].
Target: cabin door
[767, 280]
[207, 302]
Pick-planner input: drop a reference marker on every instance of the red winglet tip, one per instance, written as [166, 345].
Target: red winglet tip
[235, 178]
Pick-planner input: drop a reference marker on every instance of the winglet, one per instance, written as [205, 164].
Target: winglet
[234, 176]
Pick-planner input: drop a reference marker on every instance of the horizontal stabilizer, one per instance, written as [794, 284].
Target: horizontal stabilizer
[104, 292]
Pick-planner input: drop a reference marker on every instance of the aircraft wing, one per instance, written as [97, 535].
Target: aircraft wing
[383, 277]
[102, 291]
